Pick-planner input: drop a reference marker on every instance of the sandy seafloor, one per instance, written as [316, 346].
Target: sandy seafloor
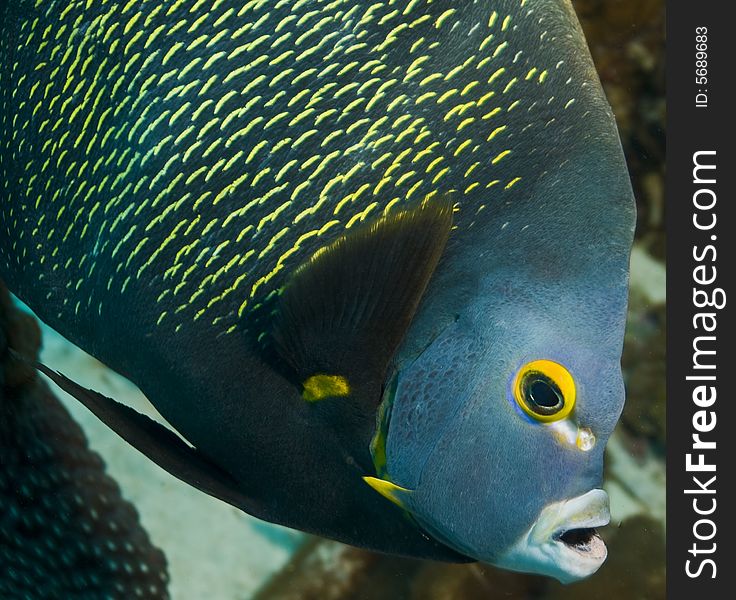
[215, 551]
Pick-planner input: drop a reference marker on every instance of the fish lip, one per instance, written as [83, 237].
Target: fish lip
[563, 542]
[582, 538]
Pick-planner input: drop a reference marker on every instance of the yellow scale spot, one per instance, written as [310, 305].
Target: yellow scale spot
[497, 74]
[465, 123]
[500, 157]
[512, 183]
[496, 131]
[319, 387]
[509, 85]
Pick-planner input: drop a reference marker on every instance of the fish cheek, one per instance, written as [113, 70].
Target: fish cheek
[429, 393]
[490, 476]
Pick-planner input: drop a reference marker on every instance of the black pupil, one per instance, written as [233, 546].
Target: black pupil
[543, 396]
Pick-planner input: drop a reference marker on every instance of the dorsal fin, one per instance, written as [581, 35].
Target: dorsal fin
[346, 309]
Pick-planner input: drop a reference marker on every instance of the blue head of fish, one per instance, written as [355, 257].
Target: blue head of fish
[495, 424]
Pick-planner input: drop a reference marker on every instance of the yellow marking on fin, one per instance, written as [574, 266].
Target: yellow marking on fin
[388, 490]
[319, 387]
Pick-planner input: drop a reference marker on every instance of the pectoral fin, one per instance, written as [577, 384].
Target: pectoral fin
[343, 313]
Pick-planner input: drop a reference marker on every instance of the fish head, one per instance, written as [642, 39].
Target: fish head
[496, 430]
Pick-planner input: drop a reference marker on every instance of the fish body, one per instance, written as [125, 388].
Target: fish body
[178, 178]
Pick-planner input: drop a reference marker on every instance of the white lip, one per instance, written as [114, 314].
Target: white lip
[542, 548]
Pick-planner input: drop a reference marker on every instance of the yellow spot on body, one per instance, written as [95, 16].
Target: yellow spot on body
[441, 174]
[171, 53]
[446, 95]
[469, 87]
[462, 147]
[496, 131]
[500, 48]
[471, 169]
[497, 74]
[485, 97]
[424, 97]
[430, 78]
[465, 123]
[443, 17]
[500, 157]
[509, 85]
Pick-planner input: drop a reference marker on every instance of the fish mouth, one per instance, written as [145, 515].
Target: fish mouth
[563, 542]
[585, 541]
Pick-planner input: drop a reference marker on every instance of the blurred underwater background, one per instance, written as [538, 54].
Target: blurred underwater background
[215, 551]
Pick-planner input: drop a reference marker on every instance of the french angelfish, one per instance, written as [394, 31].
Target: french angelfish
[65, 530]
[370, 259]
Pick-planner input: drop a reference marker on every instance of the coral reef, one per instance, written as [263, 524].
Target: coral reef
[65, 530]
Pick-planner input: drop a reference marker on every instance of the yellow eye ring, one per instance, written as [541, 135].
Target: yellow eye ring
[544, 390]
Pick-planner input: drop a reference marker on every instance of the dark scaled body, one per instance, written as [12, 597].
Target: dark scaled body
[165, 168]
[65, 530]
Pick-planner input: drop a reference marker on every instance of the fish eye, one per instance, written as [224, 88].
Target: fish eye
[545, 390]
